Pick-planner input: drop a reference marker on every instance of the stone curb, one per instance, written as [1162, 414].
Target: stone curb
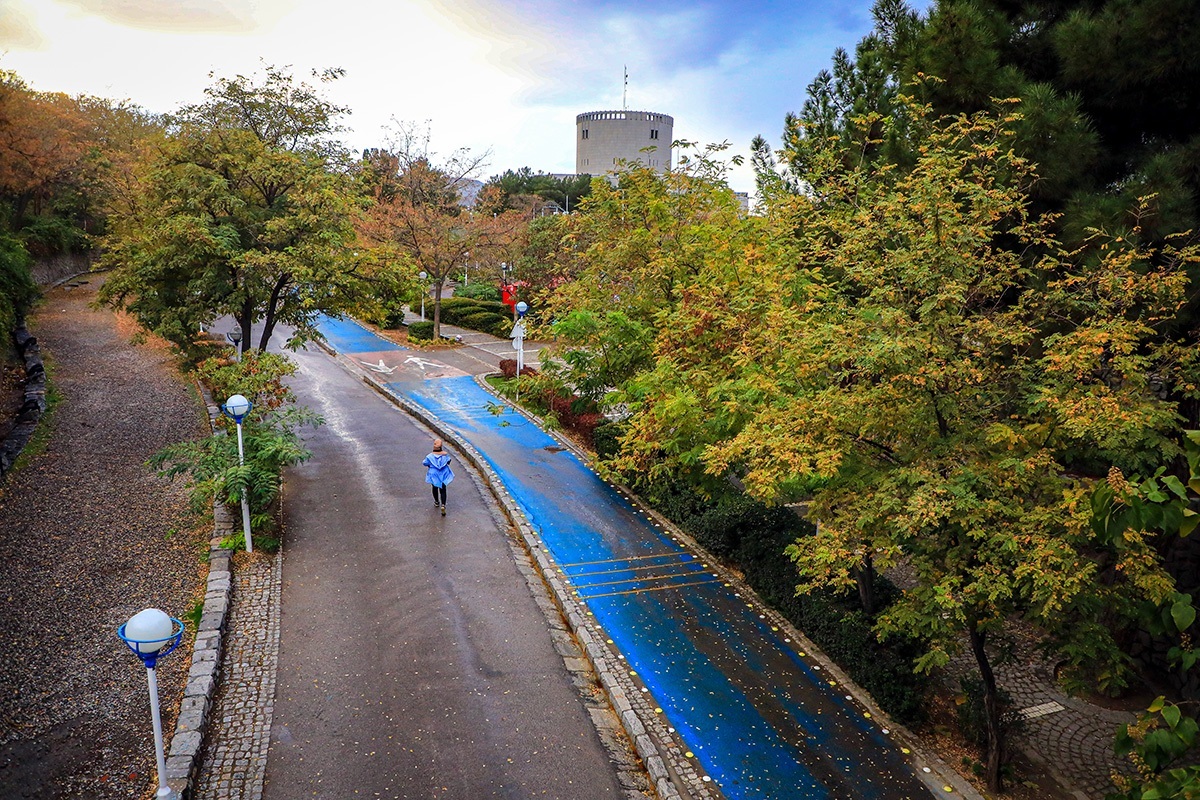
[34, 402]
[204, 674]
[670, 774]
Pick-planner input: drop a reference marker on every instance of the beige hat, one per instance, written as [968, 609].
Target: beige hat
[437, 444]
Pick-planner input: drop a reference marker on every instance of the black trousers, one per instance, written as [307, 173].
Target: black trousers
[439, 494]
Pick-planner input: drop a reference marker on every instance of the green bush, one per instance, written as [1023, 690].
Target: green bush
[485, 321]
[606, 439]
[48, 235]
[258, 376]
[271, 442]
[393, 318]
[421, 330]
[972, 717]
[502, 328]
[17, 289]
[478, 291]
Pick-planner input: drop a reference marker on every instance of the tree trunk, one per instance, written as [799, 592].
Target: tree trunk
[437, 311]
[269, 317]
[245, 319]
[991, 710]
[864, 578]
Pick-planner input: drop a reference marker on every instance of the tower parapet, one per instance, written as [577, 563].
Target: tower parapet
[604, 138]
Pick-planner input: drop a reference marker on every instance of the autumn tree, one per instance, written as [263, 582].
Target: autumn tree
[915, 350]
[626, 260]
[418, 213]
[49, 162]
[246, 210]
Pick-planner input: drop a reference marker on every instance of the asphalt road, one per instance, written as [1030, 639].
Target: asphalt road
[414, 662]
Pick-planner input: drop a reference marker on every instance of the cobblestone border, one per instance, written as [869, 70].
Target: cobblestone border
[188, 740]
[670, 775]
[34, 404]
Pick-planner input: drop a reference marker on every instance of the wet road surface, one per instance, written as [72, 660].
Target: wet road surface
[413, 662]
[760, 715]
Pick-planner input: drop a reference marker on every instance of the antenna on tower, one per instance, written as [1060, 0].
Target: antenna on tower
[625, 91]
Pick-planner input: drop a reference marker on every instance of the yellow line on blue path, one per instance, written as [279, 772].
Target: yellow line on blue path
[630, 558]
[649, 589]
[627, 569]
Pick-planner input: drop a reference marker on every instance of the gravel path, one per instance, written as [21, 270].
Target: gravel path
[88, 537]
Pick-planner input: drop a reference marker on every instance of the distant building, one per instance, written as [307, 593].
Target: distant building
[604, 138]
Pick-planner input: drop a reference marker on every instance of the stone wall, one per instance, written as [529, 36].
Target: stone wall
[34, 404]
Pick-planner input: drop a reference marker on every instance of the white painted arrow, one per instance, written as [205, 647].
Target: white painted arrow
[380, 367]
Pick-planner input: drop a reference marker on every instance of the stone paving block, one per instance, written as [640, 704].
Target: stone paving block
[186, 744]
[178, 769]
[193, 704]
[199, 687]
[212, 622]
[188, 721]
[201, 669]
[633, 725]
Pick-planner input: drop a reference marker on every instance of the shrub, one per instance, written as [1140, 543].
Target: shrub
[478, 291]
[972, 718]
[484, 321]
[393, 318]
[508, 368]
[258, 376]
[421, 330]
[271, 443]
[495, 307]
[17, 289]
[606, 439]
[501, 329]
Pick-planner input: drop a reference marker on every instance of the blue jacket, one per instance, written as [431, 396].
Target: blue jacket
[439, 473]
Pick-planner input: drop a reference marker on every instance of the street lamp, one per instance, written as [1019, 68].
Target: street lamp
[518, 337]
[151, 635]
[235, 336]
[424, 291]
[236, 408]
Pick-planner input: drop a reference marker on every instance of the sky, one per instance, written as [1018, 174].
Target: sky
[502, 77]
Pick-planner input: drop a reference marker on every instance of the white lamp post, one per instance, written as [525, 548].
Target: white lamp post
[423, 275]
[152, 635]
[236, 408]
[518, 337]
[235, 336]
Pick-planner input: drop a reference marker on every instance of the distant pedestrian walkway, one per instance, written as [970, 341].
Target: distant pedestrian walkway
[760, 715]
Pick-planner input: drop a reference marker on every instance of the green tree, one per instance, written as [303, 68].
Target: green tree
[525, 183]
[247, 210]
[17, 289]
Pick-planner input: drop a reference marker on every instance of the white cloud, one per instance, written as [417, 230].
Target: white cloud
[487, 74]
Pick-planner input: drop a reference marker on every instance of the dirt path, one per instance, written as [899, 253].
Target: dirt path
[88, 537]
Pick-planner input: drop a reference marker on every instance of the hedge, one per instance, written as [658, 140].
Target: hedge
[421, 330]
[478, 291]
[486, 322]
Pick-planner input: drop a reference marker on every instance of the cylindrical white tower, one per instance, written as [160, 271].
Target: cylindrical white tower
[604, 138]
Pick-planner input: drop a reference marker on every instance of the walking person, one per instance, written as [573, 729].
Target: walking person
[438, 474]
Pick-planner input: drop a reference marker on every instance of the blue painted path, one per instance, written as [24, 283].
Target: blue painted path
[761, 717]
